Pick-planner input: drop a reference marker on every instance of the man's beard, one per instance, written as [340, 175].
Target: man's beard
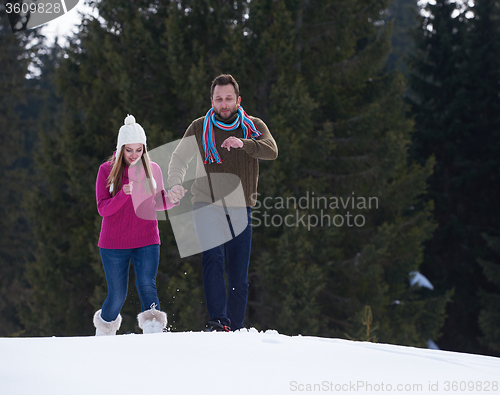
[228, 115]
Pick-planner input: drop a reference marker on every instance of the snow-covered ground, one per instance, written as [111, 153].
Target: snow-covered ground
[244, 362]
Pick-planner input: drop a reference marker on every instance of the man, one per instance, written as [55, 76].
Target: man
[230, 143]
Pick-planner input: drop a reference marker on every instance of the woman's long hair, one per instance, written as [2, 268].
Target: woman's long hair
[118, 162]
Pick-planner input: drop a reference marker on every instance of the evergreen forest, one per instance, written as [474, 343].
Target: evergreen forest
[387, 119]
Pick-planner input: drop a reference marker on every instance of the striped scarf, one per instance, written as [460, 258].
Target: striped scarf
[249, 131]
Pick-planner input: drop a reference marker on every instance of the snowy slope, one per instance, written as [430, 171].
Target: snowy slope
[248, 362]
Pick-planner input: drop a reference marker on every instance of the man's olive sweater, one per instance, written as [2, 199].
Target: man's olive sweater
[242, 162]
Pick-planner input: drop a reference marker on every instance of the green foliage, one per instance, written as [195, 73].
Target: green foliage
[60, 274]
[342, 132]
[404, 16]
[456, 105]
[18, 108]
[489, 316]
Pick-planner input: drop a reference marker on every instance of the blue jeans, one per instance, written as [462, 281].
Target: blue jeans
[226, 303]
[116, 262]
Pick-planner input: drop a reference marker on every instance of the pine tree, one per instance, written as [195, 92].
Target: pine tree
[456, 102]
[204, 39]
[489, 316]
[17, 95]
[481, 161]
[54, 302]
[404, 16]
[340, 126]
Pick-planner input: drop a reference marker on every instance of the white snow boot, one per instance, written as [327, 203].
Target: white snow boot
[104, 328]
[152, 320]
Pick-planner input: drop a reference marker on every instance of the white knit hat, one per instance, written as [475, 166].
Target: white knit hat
[130, 133]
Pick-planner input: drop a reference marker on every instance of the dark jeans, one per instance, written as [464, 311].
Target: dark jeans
[226, 303]
[116, 262]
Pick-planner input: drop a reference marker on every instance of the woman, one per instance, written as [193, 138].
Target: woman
[129, 190]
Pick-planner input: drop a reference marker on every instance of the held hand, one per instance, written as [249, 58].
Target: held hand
[176, 193]
[127, 188]
[232, 142]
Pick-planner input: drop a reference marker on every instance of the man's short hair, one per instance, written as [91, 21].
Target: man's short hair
[225, 79]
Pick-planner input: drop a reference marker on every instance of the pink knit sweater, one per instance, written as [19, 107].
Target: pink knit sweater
[129, 221]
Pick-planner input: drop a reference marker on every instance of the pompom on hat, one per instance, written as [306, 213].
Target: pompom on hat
[130, 133]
